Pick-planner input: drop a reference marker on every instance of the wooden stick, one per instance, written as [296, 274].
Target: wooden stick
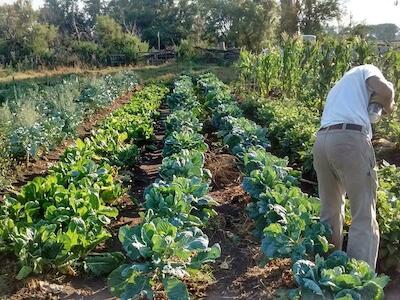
[308, 181]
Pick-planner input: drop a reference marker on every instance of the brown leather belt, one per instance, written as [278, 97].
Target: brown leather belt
[343, 126]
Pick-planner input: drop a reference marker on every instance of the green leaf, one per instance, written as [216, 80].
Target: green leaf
[176, 289]
[371, 290]
[24, 272]
[31, 208]
[199, 243]
[116, 282]
[80, 145]
[337, 258]
[127, 236]
[203, 257]
[138, 287]
[78, 225]
[324, 243]
[348, 294]
[160, 244]
[274, 228]
[103, 264]
[382, 280]
[312, 286]
[126, 274]
[269, 247]
[110, 212]
[347, 281]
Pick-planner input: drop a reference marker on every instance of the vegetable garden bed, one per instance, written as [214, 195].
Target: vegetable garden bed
[113, 146]
[36, 119]
[218, 217]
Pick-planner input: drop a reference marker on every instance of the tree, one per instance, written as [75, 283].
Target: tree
[307, 16]
[315, 13]
[113, 40]
[386, 32]
[169, 19]
[21, 34]
[15, 20]
[65, 14]
[217, 18]
[41, 39]
[289, 21]
[254, 23]
[245, 23]
[92, 9]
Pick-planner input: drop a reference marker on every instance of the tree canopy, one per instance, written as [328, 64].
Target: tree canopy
[93, 29]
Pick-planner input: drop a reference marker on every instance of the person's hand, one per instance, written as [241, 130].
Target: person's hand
[383, 93]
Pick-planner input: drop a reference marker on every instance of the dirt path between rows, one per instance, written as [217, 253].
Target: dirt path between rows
[237, 274]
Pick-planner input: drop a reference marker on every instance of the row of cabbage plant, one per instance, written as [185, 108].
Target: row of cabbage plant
[286, 219]
[169, 246]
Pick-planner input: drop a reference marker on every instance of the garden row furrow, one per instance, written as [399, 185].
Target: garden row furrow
[169, 246]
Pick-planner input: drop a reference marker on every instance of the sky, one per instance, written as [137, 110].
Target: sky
[362, 11]
[372, 11]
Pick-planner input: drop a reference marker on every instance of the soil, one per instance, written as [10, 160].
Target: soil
[25, 172]
[392, 291]
[388, 151]
[238, 272]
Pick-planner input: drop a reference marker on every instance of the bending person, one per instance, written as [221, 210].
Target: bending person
[344, 159]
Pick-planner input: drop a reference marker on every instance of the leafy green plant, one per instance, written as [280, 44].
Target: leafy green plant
[388, 207]
[189, 140]
[241, 133]
[100, 264]
[214, 91]
[168, 245]
[186, 164]
[184, 96]
[44, 116]
[183, 201]
[57, 220]
[298, 237]
[291, 129]
[338, 277]
[181, 120]
[159, 253]
[225, 110]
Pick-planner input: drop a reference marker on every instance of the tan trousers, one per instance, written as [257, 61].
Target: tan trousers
[345, 164]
